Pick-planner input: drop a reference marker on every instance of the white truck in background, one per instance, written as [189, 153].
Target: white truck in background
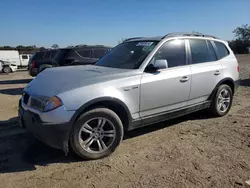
[13, 56]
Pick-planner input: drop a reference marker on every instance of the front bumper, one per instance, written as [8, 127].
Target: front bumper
[54, 135]
[13, 68]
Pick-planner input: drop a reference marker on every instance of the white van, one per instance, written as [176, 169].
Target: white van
[14, 57]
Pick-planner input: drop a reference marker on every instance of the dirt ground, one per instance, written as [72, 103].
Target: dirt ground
[192, 151]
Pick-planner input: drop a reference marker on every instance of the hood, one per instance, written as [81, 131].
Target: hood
[54, 81]
[6, 63]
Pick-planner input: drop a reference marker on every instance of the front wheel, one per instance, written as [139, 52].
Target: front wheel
[7, 69]
[222, 101]
[96, 134]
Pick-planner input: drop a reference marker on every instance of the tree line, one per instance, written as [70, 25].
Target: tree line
[28, 49]
[240, 45]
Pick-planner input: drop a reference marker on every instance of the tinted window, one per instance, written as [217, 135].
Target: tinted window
[46, 55]
[174, 52]
[221, 50]
[98, 53]
[53, 54]
[24, 57]
[38, 56]
[211, 51]
[199, 51]
[83, 53]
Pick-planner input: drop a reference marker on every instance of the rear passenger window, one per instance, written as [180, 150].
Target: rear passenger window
[212, 53]
[98, 53]
[46, 55]
[199, 51]
[84, 53]
[222, 50]
[39, 56]
[174, 52]
[53, 54]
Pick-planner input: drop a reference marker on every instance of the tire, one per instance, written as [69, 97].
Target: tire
[7, 69]
[92, 118]
[216, 109]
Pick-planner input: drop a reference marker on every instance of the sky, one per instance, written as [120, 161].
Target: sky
[72, 22]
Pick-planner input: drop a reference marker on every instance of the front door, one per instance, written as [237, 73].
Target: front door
[166, 89]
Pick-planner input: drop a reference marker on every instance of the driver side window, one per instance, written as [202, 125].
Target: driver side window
[173, 51]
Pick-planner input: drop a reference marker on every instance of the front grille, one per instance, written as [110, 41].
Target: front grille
[26, 98]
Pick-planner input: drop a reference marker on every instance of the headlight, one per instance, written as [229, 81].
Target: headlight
[45, 104]
[52, 104]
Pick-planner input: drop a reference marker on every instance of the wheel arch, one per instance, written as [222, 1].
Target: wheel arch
[7, 66]
[227, 81]
[114, 104]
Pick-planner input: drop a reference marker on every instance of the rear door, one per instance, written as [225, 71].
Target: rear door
[206, 70]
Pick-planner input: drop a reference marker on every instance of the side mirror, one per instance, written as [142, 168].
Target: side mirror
[161, 64]
[151, 68]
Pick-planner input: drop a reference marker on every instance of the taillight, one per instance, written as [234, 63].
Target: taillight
[238, 68]
[33, 64]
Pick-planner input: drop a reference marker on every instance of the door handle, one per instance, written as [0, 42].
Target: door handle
[184, 79]
[217, 72]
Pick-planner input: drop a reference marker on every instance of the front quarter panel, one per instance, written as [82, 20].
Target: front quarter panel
[126, 90]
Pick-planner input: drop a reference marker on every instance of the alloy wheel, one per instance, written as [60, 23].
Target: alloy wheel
[224, 100]
[97, 135]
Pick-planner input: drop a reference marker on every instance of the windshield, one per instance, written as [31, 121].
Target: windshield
[129, 55]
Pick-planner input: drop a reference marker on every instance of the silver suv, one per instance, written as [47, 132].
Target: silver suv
[141, 81]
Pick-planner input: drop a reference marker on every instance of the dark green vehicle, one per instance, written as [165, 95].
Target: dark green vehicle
[78, 55]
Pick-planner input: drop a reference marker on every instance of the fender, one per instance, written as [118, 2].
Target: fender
[99, 100]
[224, 80]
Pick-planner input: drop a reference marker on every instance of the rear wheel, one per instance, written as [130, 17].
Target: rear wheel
[96, 134]
[6, 69]
[222, 101]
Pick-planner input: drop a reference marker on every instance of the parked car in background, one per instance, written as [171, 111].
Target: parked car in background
[78, 55]
[7, 67]
[46, 55]
[140, 82]
[13, 56]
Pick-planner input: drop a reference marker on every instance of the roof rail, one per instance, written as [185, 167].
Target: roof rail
[126, 40]
[196, 34]
[85, 45]
[80, 45]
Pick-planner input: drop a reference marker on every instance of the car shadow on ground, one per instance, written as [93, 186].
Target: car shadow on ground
[23, 81]
[12, 91]
[154, 127]
[10, 122]
[245, 82]
[23, 70]
[24, 152]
